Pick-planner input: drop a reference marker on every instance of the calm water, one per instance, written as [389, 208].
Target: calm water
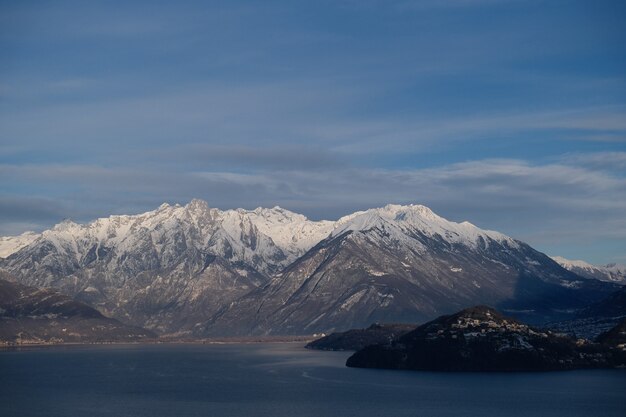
[279, 380]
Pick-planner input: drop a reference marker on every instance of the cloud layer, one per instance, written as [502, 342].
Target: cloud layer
[577, 199]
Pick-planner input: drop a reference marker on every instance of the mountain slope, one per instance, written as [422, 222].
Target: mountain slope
[610, 273]
[405, 264]
[167, 269]
[195, 270]
[595, 318]
[615, 337]
[12, 244]
[34, 315]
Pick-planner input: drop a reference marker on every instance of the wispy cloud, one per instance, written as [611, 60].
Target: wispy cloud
[418, 5]
[612, 161]
[421, 5]
[257, 119]
[249, 158]
[524, 199]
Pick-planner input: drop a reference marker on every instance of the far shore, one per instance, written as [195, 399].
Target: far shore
[167, 340]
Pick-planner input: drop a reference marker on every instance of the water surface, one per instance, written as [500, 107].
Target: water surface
[279, 380]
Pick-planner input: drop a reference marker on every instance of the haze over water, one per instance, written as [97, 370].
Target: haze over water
[279, 380]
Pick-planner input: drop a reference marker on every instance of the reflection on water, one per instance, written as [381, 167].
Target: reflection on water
[279, 380]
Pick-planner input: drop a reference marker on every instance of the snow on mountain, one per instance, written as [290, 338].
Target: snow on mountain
[240, 235]
[405, 264]
[11, 244]
[609, 273]
[291, 231]
[192, 259]
[199, 270]
[417, 218]
[616, 269]
[569, 264]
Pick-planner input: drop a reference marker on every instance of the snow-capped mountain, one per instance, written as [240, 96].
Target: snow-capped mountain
[406, 220]
[405, 264]
[242, 235]
[198, 270]
[610, 273]
[181, 257]
[11, 244]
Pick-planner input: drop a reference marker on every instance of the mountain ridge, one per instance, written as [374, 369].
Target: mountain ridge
[196, 270]
[287, 228]
[610, 272]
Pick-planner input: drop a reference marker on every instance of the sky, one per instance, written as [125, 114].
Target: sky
[510, 114]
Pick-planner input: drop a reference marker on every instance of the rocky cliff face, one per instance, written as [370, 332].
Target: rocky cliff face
[196, 270]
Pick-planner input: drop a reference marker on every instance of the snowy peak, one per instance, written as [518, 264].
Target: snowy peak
[291, 231]
[262, 231]
[616, 268]
[610, 273]
[417, 218]
[203, 270]
[12, 244]
[262, 236]
[569, 264]
[196, 205]
[361, 222]
[66, 225]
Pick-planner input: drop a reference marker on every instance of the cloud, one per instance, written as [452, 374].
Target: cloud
[512, 195]
[420, 5]
[278, 158]
[248, 115]
[267, 123]
[424, 5]
[415, 135]
[30, 209]
[599, 160]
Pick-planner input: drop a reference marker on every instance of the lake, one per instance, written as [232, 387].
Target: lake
[272, 379]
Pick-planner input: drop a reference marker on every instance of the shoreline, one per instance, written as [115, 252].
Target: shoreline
[209, 341]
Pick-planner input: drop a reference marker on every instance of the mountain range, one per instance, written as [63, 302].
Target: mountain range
[199, 271]
[610, 272]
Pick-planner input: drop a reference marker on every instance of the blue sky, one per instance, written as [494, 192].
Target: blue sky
[509, 114]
